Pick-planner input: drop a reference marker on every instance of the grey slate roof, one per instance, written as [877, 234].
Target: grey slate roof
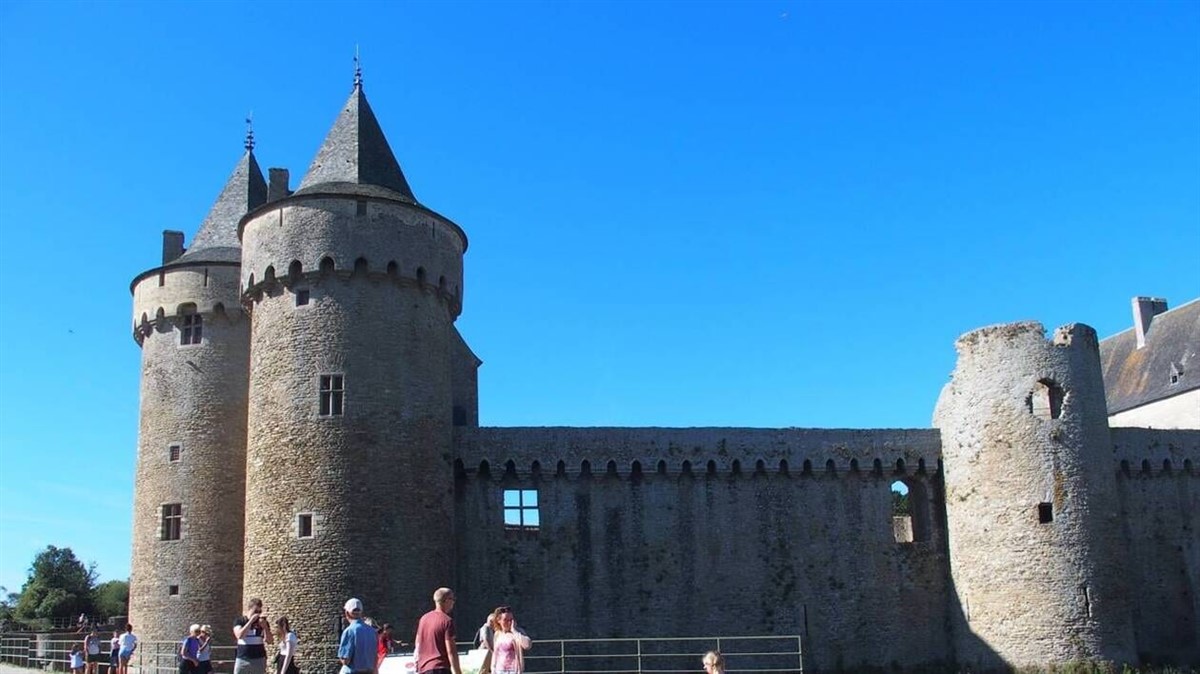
[1135, 377]
[356, 153]
[217, 240]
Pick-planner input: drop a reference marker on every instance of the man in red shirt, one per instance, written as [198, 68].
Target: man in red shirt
[434, 643]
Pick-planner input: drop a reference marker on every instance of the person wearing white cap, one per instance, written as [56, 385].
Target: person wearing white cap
[356, 650]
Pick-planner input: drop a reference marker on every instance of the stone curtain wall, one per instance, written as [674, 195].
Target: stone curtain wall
[744, 549]
[1159, 491]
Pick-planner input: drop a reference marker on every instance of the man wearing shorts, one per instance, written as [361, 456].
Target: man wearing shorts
[252, 632]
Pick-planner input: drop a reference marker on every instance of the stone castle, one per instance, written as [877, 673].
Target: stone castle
[309, 432]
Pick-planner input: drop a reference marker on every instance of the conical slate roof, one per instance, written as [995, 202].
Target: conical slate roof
[217, 240]
[356, 154]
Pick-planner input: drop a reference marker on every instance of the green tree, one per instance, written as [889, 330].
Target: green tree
[58, 585]
[111, 598]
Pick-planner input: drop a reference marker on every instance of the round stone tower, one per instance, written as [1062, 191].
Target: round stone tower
[354, 288]
[1036, 558]
[188, 511]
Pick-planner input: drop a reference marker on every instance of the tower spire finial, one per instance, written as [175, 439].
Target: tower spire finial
[249, 145]
[357, 68]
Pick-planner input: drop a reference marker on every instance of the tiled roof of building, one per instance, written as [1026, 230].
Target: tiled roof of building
[1168, 364]
[217, 240]
[356, 153]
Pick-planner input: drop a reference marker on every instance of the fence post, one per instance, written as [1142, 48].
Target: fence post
[800, 651]
[562, 656]
[639, 654]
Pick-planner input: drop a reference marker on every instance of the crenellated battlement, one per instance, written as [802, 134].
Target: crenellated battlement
[329, 270]
[1148, 452]
[629, 452]
[164, 294]
[312, 238]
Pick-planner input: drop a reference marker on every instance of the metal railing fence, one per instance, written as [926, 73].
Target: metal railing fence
[680, 655]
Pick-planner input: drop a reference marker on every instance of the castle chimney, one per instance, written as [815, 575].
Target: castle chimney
[1144, 311]
[277, 188]
[172, 245]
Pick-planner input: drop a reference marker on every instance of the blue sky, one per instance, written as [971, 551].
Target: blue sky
[769, 213]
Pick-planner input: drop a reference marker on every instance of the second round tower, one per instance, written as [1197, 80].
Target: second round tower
[353, 288]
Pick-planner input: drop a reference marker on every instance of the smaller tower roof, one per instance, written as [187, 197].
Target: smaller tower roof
[356, 157]
[246, 189]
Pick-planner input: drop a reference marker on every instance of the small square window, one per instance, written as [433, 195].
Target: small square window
[304, 525]
[173, 452]
[302, 296]
[360, 207]
[521, 509]
[172, 590]
[331, 395]
[1045, 513]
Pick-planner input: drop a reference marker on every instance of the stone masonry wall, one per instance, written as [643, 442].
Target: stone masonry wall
[193, 396]
[1036, 556]
[638, 538]
[376, 480]
[1159, 491]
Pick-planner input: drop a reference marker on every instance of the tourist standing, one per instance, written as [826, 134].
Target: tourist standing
[252, 632]
[114, 653]
[285, 661]
[204, 655]
[483, 638]
[128, 643]
[356, 649]
[433, 646]
[189, 651]
[385, 644]
[509, 645]
[91, 651]
[714, 662]
[77, 663]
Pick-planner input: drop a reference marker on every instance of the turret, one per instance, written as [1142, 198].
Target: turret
[354, 288]
[188, 511]
[1031, 501]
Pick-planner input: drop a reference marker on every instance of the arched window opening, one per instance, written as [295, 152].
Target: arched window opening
[662, 468]
[911, 514]
[561, 469]
[510, 468]
[535, 468]
[485, 470]
[585, 468]
[920, 466]
[686, 468]
[1046, 400]
[737, 467]
[361, 266]
[1167, 466]
[269, 274]
[899, 466]
[1146, 466]
[783, 467]
[831, 467]
[806, 468]
[877, 467]
[760, 467]
[711, 468]
[421, 275]
[460, 471]
[295, 269]
[393, 269]
[635, 471]
[853, 465]
[326, 266]
[611, 468]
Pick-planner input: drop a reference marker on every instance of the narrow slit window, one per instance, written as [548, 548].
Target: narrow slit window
[302, 296]
[173, 452]
[1045, 513]
[304, 525]
[521, 509]
[332, 395]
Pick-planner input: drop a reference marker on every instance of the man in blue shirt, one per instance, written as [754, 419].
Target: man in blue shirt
[356, 651]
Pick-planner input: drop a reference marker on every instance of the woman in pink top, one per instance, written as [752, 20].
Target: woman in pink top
[508, 646]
